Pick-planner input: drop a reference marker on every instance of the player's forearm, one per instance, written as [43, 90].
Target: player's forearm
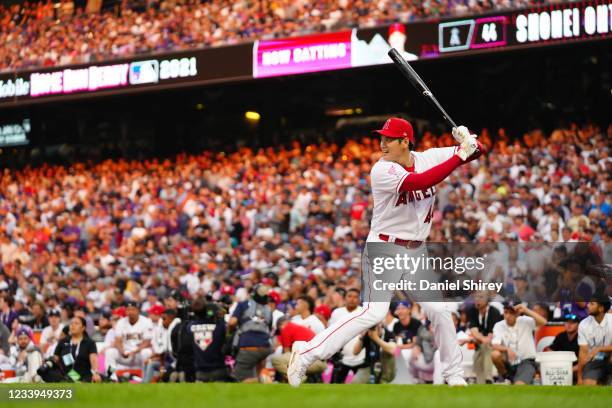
[431, 177]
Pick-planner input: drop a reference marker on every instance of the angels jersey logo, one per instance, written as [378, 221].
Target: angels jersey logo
[203, 335]
[417, 195]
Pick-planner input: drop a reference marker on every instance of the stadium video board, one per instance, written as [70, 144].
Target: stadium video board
[152, 72]
[549, 24]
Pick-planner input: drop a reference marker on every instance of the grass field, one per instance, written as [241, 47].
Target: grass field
[320, 396]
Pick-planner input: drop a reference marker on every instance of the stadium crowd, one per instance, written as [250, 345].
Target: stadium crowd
[50, 33]
[153, 264]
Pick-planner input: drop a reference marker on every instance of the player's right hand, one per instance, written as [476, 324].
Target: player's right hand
[468, 147]
[461, 133]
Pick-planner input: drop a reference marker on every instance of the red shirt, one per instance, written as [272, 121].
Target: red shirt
[294, 332]
[357, 210]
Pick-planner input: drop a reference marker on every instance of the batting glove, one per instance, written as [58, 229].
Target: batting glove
[468, 147]
[460, 133]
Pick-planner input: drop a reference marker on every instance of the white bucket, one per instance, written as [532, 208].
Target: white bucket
[556, 367]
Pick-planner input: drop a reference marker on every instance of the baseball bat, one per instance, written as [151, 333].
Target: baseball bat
[418, 83]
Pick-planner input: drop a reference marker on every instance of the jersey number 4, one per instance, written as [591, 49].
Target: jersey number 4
[429, 215]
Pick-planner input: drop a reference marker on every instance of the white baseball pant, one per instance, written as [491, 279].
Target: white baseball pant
[116, 360]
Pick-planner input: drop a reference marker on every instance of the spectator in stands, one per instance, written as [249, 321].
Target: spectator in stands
[5, 333]
[77, 354]
[25, 357]
[305, 316]
[51, 334]
[132, 345]
[252, 322]
[406, 327]
[37, 320]
[288, 333]
[159, 342]
[595, 342]
[323, 313]
[7, 314]
[482, 318]
[568, 339]
[513, 343]
[379, 350]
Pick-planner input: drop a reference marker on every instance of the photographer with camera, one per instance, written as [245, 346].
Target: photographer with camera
[252, 320]
[75, 358]
[208, 339]
[181, 341]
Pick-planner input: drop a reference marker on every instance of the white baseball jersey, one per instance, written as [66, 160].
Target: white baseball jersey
[132, 334]
[405, 215]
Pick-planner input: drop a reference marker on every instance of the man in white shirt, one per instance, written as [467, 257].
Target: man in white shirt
[351, 301]
[133, 334]
[160, 342]
[595, 342]
[304, 315]
[514, 348]
[348, 358]
[51, 334]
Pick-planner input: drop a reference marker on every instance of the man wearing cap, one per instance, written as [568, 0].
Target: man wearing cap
[403, 184]
[51, 334]
[288, 333]
[568, 339]
[133, 334]
[252, 323]
[25, 358]
[595, 342]
[513, 343]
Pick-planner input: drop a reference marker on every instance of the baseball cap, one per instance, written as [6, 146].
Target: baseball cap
[274, 296]
[397, 128]
[324, 311]
[120, 311]
[131, 303]
[156, 310]
[509, 304]
[53, 312]
[571, 318]
[396, 305]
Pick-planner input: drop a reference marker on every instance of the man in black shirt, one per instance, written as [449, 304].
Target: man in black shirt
[406, 328]
[568, 340]
[208, 330]
[482, 317]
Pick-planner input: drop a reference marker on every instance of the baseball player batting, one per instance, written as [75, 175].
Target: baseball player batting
[403, 188]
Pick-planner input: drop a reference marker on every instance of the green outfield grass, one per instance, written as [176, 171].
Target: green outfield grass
[320, 396]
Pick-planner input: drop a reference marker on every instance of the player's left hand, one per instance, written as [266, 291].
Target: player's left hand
[468, 147]
[461, 133]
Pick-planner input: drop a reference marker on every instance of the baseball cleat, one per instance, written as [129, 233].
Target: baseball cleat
[456, 381]
[296, 369]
